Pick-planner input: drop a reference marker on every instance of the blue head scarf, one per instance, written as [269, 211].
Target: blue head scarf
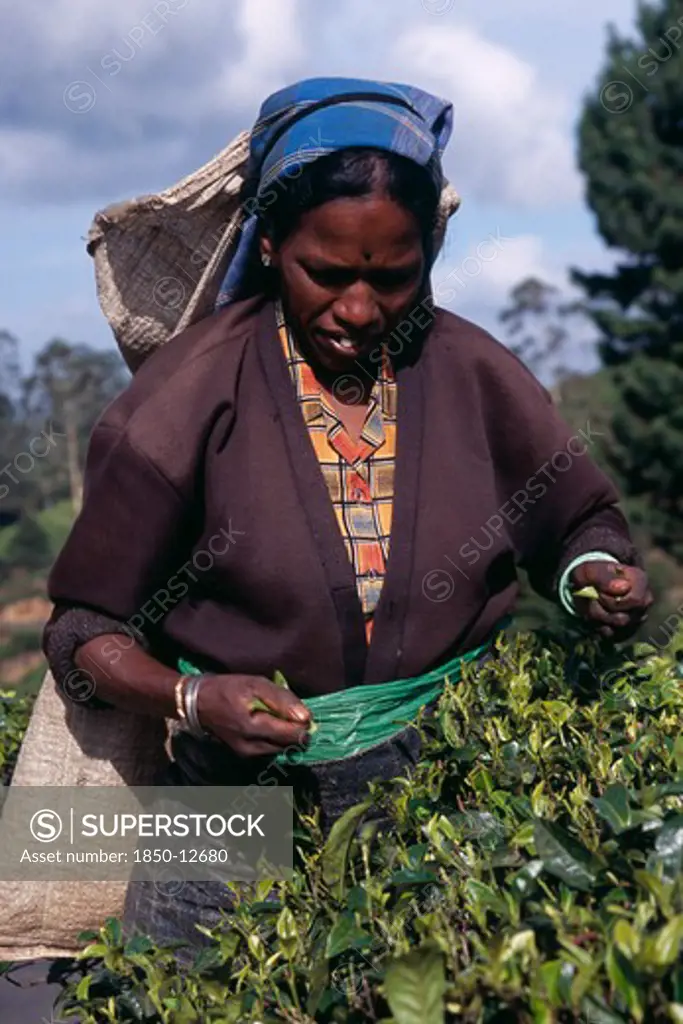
[313, 118]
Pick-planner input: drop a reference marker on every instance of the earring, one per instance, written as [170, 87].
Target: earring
[265, 259]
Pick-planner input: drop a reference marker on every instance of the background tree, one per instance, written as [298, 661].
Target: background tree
[30, 546]
[631, 152]
[538, 322]
[68, 389]
[13, 438]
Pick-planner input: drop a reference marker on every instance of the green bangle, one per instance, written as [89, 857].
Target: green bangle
[565, 590]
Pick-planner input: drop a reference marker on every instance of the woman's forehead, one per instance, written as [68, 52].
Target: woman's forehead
[364, 225]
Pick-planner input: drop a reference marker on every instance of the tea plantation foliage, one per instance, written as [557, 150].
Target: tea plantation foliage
[532, 873]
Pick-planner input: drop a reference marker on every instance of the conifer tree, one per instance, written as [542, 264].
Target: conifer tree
[631, 152]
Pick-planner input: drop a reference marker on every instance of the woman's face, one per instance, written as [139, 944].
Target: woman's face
[350, 272]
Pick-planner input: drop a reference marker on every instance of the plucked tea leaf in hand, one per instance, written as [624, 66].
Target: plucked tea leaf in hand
[414, 985]
[589, 592]
[258, 705]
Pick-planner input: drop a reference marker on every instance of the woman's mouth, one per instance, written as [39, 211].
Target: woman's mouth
[343, 344]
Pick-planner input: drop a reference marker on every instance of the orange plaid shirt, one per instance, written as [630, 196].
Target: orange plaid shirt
[359, 477]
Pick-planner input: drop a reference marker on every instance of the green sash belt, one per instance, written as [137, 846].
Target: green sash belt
[352, 721]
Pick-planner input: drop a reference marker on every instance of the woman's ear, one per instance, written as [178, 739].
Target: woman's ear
[267, 251]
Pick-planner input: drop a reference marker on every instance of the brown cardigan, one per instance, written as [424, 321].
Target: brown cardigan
[206, 522]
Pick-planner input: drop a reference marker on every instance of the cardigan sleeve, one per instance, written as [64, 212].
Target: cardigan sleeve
[131, 538]
[67, 629]
[559, 505]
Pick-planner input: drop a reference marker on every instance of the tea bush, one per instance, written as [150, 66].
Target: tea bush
[15, 711]
[533, 873]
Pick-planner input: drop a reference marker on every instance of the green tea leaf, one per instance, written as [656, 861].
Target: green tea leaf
[317, 979]
[207, 958]
[138, 944]
[678, 983]
[564, 857]
[595, 1011]
[668, 851]
[336, 850]
[83, 988]
[626, 981]
[668, 789]
[415, 985]
[589, 592]
[556, 977]
[407, 876]
[95, 951]
[485, 898]
[279, 680]
[626, 938]
[615, 808]
[523, 884]
[662, 949]
[345, 935]
[233, 1010]
[114, 932]
[288, 933]
[357, 900]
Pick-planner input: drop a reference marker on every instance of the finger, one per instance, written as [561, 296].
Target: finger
[608, 577]
[256, 748]
[282, 734]
[624, 603]
[596, 613]
[283, 702]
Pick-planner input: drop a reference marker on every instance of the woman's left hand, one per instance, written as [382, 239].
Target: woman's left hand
[623, 601]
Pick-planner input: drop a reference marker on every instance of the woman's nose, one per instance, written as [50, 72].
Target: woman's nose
[357, 308]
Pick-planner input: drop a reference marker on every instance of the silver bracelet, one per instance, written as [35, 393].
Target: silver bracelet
[190, 695]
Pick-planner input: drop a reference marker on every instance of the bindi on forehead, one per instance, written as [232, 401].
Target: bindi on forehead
[367, 256]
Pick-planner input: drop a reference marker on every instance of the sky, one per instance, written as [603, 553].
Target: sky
[107, 101]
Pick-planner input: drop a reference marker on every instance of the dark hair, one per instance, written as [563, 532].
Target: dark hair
[352, 173]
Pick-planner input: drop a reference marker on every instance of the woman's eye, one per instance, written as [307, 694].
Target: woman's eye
[382, 280]
[330, 278]
[392, 280]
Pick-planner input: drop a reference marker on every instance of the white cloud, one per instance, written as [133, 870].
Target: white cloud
[270, 47]
[484, 276]
[186, 75]
[512, 140]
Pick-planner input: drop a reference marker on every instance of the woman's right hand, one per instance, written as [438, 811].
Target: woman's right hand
[224, 709]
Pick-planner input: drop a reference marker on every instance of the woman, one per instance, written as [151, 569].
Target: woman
[329, 477]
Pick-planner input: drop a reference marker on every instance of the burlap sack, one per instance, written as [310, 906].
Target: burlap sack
[160, 259]
[67, 744]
